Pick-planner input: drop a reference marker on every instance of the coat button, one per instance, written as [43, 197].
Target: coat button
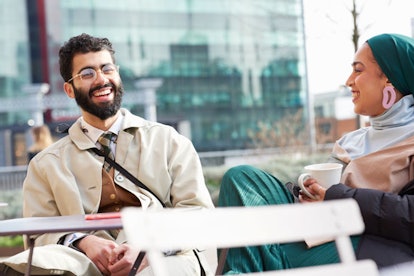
[119, 178]
[112, 196]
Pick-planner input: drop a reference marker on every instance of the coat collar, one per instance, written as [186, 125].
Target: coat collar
[82, 141]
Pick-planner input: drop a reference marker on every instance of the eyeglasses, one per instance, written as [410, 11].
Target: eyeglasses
[90, 74]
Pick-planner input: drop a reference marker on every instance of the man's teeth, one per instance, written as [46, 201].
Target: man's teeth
[102, 93]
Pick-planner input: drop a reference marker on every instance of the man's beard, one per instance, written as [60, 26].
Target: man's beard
[101, 110]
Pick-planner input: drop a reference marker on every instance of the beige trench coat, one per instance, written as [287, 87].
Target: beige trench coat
[65, 178]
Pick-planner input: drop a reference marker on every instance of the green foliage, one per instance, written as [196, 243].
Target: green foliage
[286, 166]
[286, 132]
[11, 241]
[14, 199]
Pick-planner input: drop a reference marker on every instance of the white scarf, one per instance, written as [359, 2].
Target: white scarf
[393, 126]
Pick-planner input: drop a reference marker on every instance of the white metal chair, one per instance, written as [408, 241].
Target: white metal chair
[171, 229]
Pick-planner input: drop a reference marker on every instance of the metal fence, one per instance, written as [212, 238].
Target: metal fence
[11, 178]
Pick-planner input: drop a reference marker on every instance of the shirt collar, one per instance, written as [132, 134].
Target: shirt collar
[94, 133]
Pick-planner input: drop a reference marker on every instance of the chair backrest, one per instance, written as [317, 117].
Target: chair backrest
[171, 229]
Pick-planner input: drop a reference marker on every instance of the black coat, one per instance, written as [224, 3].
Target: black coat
[388, 238]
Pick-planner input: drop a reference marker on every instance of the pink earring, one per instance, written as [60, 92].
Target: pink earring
[388, 97]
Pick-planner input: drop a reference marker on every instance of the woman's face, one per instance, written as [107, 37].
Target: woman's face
[367, 82]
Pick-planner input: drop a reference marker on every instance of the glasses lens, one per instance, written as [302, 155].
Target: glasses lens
[108, 69]
[87, 74]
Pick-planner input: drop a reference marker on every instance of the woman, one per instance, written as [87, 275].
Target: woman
[378, 168]
[42, 139]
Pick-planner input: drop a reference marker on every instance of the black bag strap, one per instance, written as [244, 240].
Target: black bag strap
[137, 182]
[137, 263]
[64, 128]
[127, 174]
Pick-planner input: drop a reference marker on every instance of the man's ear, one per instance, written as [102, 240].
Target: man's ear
[69, 90]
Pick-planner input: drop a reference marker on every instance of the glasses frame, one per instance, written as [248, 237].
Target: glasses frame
[96, 72]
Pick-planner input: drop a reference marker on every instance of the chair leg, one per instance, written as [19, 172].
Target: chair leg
[157, 262]
[345, 249]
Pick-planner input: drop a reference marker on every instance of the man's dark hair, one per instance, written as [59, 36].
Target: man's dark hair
[83, 43]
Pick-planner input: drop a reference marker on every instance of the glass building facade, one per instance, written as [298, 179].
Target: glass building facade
[226, 67]
[15, 57]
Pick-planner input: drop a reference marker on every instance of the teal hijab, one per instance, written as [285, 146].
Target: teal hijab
[394, 54]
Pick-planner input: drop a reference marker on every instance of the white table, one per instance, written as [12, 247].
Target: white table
[41, 225]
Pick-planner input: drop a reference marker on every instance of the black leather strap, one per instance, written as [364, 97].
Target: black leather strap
[137, 182]
[137, 263]
[133, 179]
[124, 172]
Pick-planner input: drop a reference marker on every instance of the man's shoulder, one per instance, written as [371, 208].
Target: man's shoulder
[135, 121]
[63, 142]
[54, 150]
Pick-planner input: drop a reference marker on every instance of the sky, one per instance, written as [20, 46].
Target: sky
[328, 30]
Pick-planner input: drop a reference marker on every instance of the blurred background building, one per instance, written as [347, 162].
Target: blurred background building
[223, 72]
[334, 115]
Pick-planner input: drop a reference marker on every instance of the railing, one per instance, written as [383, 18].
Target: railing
[11, 178]
[252, 156]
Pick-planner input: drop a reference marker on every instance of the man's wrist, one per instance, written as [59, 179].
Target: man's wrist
[72, 240]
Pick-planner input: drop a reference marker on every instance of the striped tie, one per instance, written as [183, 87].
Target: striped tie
[105, 140]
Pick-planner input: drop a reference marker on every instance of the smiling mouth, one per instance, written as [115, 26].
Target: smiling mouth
[355, 95]
[102, 93]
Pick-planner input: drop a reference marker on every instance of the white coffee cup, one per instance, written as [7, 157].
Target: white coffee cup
[327, 174]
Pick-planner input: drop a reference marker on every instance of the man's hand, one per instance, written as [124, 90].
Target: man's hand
[99, 250]
[122, 259]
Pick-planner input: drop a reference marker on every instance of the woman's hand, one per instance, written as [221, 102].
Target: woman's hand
[313, 187]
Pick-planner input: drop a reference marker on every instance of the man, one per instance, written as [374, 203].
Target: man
[68, 178]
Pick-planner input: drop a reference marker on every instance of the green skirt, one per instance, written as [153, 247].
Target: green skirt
[249, 186]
